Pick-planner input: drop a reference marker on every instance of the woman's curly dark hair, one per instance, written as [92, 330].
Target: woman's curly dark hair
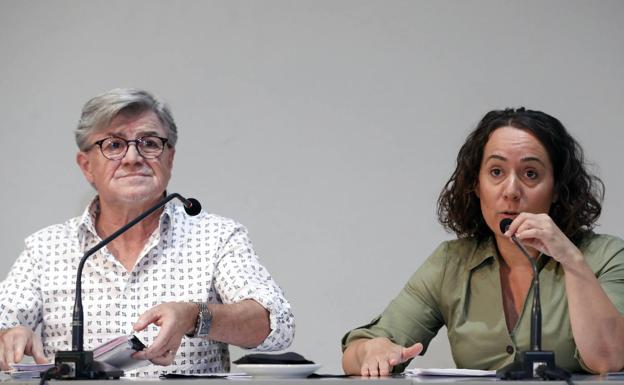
[579, 194]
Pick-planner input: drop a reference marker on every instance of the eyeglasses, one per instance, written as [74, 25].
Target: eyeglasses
[114, 148]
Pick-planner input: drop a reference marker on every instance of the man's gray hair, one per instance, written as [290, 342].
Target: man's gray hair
[98, 112]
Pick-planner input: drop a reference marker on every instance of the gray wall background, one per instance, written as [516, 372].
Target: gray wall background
[327, 127]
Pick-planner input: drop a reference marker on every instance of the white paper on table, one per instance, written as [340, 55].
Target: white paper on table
[223, 374]
[28, 370]
[25, 374]
[209, 375]
[32, 367]
[116, 352]
[450, 372]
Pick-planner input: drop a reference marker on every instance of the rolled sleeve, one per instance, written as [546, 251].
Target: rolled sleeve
[22, 302]
[414, 315]
[611, 273]
[606, 259]
[240, 276]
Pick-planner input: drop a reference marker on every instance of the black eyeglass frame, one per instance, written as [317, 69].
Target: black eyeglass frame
[136, 143]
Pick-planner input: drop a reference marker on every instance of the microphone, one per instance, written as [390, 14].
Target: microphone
[192, 206]
[81, 363]
[536, 310]
[535, 363]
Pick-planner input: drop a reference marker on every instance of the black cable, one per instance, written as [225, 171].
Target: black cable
[554, 374]
[48, 374]
[54, 372]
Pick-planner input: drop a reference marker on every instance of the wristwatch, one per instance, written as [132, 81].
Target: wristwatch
[204, 320]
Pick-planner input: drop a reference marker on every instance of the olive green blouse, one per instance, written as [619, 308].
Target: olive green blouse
[459, 286]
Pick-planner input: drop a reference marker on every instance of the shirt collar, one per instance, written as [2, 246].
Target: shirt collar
[86, 225]
[486, 250]
[483, 251]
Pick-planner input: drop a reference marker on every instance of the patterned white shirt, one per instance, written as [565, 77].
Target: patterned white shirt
[203, 258]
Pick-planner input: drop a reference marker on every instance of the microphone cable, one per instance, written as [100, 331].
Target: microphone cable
[54, 372]
[556, 374]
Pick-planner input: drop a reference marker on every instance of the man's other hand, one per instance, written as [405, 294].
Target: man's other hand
[16, 342]
[174, 319]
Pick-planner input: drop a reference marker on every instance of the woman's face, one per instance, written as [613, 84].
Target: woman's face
[516, 175]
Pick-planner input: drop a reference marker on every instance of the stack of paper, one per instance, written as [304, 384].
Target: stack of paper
[28, 370]
[450, 372]
[116, 352]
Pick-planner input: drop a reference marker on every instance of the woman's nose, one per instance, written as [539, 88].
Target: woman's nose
[512, 189]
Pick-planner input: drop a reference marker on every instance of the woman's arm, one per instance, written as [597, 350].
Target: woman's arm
[597, 325]
[376, 357]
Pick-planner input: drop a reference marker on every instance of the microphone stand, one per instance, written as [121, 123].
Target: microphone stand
[536, 362]
[80, 362]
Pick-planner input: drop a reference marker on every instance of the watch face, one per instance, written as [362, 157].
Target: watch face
[204, 328]
[204, 321]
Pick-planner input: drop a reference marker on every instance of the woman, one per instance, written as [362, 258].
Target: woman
[522, 165]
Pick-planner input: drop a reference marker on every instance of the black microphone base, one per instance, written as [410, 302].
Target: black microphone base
[527, 368]
[83, 367]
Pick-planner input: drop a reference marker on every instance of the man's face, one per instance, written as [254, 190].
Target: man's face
[132, 179]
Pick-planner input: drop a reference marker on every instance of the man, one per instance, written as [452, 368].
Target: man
[186, 286]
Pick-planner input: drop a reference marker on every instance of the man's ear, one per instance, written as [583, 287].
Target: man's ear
[82, 159]
[170, 157]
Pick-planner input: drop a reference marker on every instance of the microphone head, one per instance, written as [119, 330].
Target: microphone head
[504, 224]
[194, 208]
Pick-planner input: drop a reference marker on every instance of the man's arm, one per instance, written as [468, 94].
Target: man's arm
[254, 312]
[239, 276]
[244, 324]
[20, 312]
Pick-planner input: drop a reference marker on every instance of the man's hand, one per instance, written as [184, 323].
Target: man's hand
[174, 319]
[377, 356]
[16, 342]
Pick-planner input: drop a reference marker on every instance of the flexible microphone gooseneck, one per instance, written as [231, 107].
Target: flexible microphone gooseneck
[536, 362]
[80, 362]
[536, 310]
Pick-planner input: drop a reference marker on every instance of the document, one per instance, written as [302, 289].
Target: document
[207, 375]
[116, 352]
[450, 372]
[28, 370]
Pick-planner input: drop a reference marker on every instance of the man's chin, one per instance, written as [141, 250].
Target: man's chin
[140, 195]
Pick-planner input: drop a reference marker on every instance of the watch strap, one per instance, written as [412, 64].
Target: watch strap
[204, 321]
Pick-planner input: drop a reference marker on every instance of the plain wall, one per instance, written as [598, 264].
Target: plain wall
[327, 127]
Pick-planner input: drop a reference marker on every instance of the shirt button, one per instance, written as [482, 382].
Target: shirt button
[510, 349]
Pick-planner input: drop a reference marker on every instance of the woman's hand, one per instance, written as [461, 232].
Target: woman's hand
[540, 232]
[377, 356]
